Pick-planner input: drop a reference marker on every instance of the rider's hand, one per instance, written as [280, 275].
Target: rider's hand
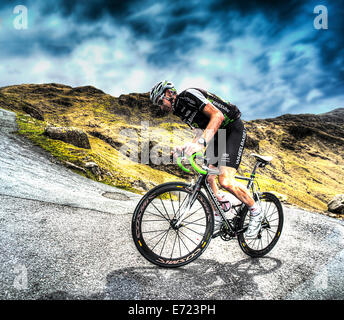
[176, 152]
[190, 148]
[177, 149]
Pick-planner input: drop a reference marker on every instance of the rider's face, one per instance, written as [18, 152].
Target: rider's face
[166, 104]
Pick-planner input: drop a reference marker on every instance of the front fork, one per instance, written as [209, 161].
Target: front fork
[185, 208]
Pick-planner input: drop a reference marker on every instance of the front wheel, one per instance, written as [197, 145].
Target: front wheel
[155, 229]
[271, 229]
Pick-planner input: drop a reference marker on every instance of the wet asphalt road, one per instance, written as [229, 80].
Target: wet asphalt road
[61, 238]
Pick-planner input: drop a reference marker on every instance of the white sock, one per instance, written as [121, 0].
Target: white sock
[255, 209]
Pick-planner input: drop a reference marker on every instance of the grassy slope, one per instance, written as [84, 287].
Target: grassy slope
[309, 179]
[90, 112]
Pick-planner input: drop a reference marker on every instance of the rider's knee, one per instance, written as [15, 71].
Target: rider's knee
[226, 183]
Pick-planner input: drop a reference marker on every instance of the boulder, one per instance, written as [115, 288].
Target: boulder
[33, 112]
[70, 135]
[336, 205]
[94, 168]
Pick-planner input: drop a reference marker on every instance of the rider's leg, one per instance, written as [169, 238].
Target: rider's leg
[212, 181]
[229, 154]
[227, 181]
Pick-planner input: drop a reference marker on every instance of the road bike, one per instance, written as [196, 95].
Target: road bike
[173, 223]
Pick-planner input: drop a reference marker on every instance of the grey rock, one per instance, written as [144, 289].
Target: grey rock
[33, 112]
[336, 205]
[69, 135]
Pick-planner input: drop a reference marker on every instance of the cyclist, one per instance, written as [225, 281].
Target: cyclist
[206, 111]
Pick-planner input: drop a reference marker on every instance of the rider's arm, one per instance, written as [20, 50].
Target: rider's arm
[215, 115]
[216, 119]
[199, 133]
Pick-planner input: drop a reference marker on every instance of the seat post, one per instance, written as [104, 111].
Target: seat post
[253, 174]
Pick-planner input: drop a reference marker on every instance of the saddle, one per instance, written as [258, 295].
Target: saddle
[264, 159]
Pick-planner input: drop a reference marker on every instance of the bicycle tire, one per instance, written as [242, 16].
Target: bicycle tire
[270, 233]
[156, 212]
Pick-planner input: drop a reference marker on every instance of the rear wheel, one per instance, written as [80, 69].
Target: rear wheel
[156, 233]
[271, 229]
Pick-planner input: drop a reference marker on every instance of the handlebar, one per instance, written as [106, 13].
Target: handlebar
[261, 162]
[192, 162]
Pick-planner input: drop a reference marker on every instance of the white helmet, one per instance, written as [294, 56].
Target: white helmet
[159, 89]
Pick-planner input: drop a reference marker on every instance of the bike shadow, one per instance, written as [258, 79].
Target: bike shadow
[204, 279]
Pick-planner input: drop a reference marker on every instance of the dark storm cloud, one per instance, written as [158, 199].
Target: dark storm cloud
[332, 43]
[262, 62]
[172, 50]
[309, 58]
[26, 43]
[182, 18]
[283, 9]
[330, 46]
[283, 15]
[12, 4]
[277, 12]
[91, 10]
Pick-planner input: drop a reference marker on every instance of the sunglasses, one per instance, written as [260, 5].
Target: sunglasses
[160, 101]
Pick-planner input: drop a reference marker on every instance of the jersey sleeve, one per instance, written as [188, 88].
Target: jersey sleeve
[200, 101]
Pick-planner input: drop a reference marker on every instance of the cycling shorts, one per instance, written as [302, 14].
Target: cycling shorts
[227, 146]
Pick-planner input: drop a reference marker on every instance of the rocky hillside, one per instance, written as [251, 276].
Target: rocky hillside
[308, 155]
[113, 127]
[128, 141]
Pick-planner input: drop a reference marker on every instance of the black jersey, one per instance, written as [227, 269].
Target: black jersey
[190, 103]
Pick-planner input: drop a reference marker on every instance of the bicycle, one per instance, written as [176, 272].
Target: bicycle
[173, 223]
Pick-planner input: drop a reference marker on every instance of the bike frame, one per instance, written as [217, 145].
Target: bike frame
[203, 182]
[251, 179]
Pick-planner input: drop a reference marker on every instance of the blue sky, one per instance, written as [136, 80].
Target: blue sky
[264, 56]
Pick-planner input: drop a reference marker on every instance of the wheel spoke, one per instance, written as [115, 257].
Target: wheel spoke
[201, 234]
[159, 211]
[162, 233]
[194, 222]
[187, 237]
[174, 211]
[152, 231]
[180, 238]
[165, 209]
[163, 246]
[175, 239]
